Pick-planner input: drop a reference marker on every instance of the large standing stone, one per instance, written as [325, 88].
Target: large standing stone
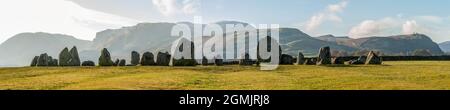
[42, 60]
[324, 56]
[105, 58]
[286, 59]
[88, 63]
[69, 58]
[162, 59]
[51, 61]
[122, 62]
[135, 58]
[75, 59]
[373, 59]
[300, 59]
[147, 59]
[64, 57]
[34, 61]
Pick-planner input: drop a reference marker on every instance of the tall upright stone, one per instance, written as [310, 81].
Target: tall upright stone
[373, 59]
[75, 59]
[34, 61]
[300, 59]
[105, 58]
[122, 62]
[135, 57]
[147, 59]
[324, 56]
[64, 57]
[42, 60]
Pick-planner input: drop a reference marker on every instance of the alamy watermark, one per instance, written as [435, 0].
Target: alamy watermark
[212, 41]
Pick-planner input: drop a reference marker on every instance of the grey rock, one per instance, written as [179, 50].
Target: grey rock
[324, 56]
[135, 57]
[105, 58]
[373, 59]
[286, 59]
[163, 59]
[147, 59]
[122, 62]
[88, 63]
[300, 58]
[34, 61]
[64, 57]
[42, 60]
[75, 59]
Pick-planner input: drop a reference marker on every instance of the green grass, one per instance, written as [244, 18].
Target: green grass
[390, 76]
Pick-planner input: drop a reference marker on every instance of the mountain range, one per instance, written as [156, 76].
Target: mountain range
[21, 48]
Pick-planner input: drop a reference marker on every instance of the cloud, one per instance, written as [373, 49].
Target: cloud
[55, 16]
[330, 14]
[370, 28]
[434, 26]
[411, 27]
[174, 7]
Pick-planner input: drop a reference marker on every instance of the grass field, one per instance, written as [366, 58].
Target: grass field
[390, 76]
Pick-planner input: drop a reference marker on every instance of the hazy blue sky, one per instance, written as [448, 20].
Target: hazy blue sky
[354, 18]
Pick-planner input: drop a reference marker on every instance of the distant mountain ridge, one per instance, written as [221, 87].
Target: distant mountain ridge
[153, 37]
[389, 44]
[445, 46]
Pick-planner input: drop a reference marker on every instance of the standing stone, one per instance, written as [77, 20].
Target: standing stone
[75, 59]
[337, 60]
[64, 57]
[122, 62]
[105, 58]
[54, 62]
[324, 56]
[286, 59]
[88, 63]
[373, 59]
[135, 58]
[116, 63]
[245, 61]
[163, 59]
[300, 58]
[34, 61]
[147, 59]
[42, 60]
[218, 61]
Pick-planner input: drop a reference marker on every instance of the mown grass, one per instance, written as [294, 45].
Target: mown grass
[414, 75]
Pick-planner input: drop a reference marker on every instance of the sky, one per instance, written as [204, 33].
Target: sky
[353, 18]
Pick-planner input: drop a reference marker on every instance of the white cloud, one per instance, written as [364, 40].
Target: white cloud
[330, 14]
[411, 27]
[55, 16]
[434, 26]
[370, 28]
[174, 7]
